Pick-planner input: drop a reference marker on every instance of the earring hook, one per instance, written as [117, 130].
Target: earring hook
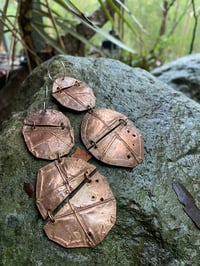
[45, 98]
[63, 66]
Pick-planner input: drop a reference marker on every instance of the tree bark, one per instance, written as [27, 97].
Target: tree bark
[25, 16]
[166, 8]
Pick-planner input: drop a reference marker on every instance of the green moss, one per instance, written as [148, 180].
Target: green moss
[151, 227]
[10, 164]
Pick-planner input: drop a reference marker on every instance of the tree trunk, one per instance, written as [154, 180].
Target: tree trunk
[25, 16]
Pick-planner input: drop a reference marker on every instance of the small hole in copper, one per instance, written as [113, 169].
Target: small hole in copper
[128, 131]
[86, 175]
[134, 135]
[57, 88]
[101, 199]
[97, 180]
[93, 197]
[90, 110]
[77, 83]
[133, 144]
[89, 233]
[128, 156]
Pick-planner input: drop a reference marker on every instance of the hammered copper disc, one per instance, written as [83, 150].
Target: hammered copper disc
[48, 134]
[112, 138]
[57, 180]
[73, 94]
[87, 218]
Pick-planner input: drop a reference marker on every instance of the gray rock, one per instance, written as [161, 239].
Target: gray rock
[183, 75]
[151, 227]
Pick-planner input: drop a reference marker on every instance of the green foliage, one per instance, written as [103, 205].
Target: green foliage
[137, 23]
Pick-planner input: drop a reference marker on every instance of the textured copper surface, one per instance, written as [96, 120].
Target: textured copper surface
[112, 138]
[48, 134]
[87, 218]
[57, 180]
[73, 94]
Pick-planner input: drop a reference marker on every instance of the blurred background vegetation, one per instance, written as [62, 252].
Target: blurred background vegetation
[145, 33]
[139, 33]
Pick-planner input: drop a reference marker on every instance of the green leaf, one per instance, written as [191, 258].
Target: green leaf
[80, 37]
[81, 17]
[120, 14]
[49, 40]
[108, 36]
[131, 15]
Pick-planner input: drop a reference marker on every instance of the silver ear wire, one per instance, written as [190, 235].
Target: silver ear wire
[49, 75]
[63, 66]
[45, 98]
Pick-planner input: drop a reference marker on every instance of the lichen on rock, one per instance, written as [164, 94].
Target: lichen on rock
[151, 227]
[182, 74]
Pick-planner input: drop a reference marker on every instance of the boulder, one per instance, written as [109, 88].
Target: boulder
[183, 75]
[151, 227]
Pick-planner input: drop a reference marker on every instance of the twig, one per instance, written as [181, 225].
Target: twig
[195, 15]
[54, 24]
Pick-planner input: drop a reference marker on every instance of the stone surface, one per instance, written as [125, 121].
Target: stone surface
[183, 75]
[151, 227]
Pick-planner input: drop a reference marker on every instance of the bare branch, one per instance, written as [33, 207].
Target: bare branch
[195, 15]
[178, 20]
[165, 10]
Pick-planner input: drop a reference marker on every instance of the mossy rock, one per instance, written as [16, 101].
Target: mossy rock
[151, 226]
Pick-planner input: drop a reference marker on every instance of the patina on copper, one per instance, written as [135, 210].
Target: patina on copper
[87, 217]
[112, 138]
[73, 93]
[48, 134]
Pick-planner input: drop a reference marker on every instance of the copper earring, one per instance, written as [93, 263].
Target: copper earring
[72, 93]
[84, 219]
[74, 199]
[112, 138]
[74, 219]
[48, 134]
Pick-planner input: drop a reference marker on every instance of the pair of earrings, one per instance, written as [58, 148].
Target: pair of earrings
[82, 218]
[108, 135]
[48, 133]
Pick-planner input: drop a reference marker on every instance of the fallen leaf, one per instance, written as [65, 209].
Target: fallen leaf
[81, 154]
